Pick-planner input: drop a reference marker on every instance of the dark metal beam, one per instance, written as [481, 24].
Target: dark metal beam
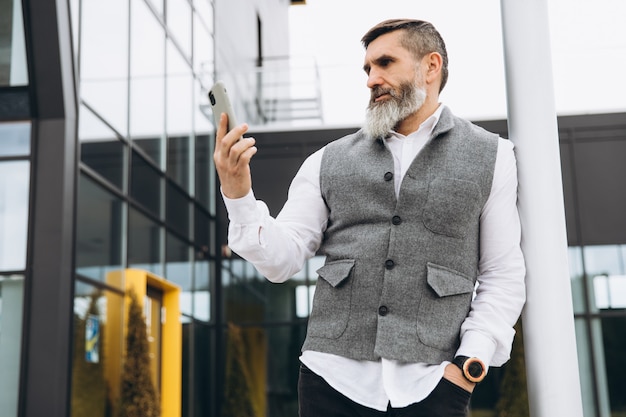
[46, 376]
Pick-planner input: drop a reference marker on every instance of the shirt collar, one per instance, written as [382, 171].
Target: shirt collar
[427, 125]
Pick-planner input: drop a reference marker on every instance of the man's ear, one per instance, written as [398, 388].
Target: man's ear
[434, 63]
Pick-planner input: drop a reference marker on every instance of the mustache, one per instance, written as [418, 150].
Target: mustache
[378, 91]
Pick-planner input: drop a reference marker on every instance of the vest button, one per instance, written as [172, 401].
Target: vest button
[396, 220]
[389, 264]
[388, 176]
[383, 310]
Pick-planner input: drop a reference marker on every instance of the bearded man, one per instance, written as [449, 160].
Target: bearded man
[416, 216]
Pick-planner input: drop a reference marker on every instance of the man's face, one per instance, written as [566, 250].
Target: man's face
[396, 84]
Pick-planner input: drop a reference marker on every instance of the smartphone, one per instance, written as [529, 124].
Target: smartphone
[220, 103]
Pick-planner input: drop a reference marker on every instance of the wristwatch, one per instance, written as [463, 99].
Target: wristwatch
[474, 370]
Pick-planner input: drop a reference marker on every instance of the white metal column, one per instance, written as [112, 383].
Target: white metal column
[548, 318]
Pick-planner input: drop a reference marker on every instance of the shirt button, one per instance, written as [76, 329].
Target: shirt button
[388, 176]
[389, 264]
[383, 310]
[396, 220]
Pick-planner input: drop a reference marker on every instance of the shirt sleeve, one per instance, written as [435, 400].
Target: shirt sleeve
[278, 247]
[487, 332]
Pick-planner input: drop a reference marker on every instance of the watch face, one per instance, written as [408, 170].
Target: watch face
[475, 369]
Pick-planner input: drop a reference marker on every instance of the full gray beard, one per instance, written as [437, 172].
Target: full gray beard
[383, 117]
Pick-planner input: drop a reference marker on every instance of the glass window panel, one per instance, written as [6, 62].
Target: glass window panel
[205, 172]
[179, 117]
[202, 235]
[15, 139]
[201, 358]
[13, 69]
[151, 147]
[11, 307]
[178, 207]
[14, 199]
[144, 243]
[179, 23]
[157, 5]
[603, 260]
[203, 120]
[178, 160]
[146, 184]
[304, 300]
[203, 52]
[204, 8]
[203, 279]
[282, 366]
[577, 278]
[100, 148]
[614, 340]
[104, 60]
[147, 71]
[179, 93]
[178, 270]
[213, 238]
[605, 267]
[99, 221]
[98, 351]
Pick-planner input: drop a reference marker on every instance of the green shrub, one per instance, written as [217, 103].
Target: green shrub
[139, 397]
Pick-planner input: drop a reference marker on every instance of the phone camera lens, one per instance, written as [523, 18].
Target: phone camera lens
[212, 98]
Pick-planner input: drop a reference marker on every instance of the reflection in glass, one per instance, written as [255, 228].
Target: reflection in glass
[614, 340]
[145, 184]
[97, 353]
[203, 52]
[100, 149]
[13, 69]
[205, 173]
[204, 273]
[144, 243]
[178, 269]
[178, 209]
[104, 60]
[179, 23]
[204, 10]
[199, 338]
[98, 231]
[202, 226]
[15, 139]
[203, 120]
[11, 307]
[147, 84]
[179, 93]
[178, 160]
[606, 267]
[304, 300]
[577, 278]
[14, 199]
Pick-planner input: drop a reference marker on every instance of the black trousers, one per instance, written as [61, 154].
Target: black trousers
[318, 399]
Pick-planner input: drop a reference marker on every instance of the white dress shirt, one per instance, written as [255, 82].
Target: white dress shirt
[278, 248]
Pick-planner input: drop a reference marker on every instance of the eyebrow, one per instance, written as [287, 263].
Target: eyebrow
[378, 60]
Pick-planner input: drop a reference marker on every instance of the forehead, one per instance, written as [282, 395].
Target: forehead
[387, 45]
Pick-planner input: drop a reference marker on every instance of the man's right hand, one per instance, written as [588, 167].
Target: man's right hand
[232, 158]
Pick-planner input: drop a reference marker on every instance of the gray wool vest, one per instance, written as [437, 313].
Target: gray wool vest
[400, 272]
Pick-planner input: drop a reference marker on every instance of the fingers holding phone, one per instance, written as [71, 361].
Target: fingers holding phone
[232, 152]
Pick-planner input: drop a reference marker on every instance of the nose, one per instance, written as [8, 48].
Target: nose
[374, 78]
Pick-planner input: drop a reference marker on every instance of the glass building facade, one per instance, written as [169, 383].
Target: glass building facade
[146, 188]
[106, 167]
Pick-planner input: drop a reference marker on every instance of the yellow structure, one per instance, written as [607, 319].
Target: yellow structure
[169, 338]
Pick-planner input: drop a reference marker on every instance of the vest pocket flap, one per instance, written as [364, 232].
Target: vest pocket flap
[445, 281]
[336, 272]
